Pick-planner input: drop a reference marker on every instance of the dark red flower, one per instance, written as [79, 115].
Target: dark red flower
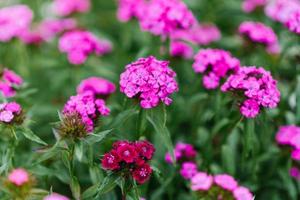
[120, 143]
[127, 152]
[145, 149]
[142, 173]
[111, 161]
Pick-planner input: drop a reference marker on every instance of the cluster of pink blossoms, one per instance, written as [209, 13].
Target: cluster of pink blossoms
[80, 44]
[128, 9]
[257, 87]
[150, 80]
[14, 21]
[67, 7]
[250, 5]
[10, 112]
[215, 64]
[290, 136]
[9, 82]
[286, 12]
[262, 34]
[19, 177]
[226, 186]
[89, 103]
[132, 157]
[182, 152]
[55, 196]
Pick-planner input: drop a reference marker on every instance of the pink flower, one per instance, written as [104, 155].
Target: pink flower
[142, 173]
[6, 116]
[9, 80]
[127, 153]
[256, 84]
[8, 111]
[181, 49]
[145, 149]
[80, 44]
[215, 64]
[55, 196]
[18, 177]
[295, 154]
[67, 7]
[150, 80]
[96, 85]
[295, 173]
[188, 170]
[280, 10]
[225, 181]
[201, 181]
[293, 22]
[295, 141]
[162, 17]
[250, 5]
[182, 152]
[286, 133]
[260, 33]
[14, 21]
[242, 193]
[111, 161]
[127, 9]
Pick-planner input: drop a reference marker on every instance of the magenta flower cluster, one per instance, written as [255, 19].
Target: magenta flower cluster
[9, 82]
[67, 7]
[289, 136]
[214, 64]
[257, 87]
[202, 182]
[80, 44]
[259, 33]
[9, 111]
[89, 103]
[14, 21]
[150, 80]
[182, 152]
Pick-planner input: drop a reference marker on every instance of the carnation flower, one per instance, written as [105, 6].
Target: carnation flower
[111, 161]
[142, 173]
[99, 87]
[257, 87]
[128, 9]
[182, 152]
[295, 154]
[242, 193]
[150, 80]
[225, 181]
[280, 10]
[201, 181]
[293, 22]
[260, 33]
[11, 112]
[18, 177]
[286, 133]
[145, 149]
[214, 64]
[55, 196]
[127, 153]
[250, 5]
[162, 17]
[295, 173]
[8, 83]
[14, 21]
[188, 170]
[67, 7]
[181, 49]
[80, 44]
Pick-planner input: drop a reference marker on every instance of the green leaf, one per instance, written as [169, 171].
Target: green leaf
[228, 156]
[97, 137]
[90, 192]
[31, 136]
[79, 151]
[108, 184]
[124, 116]
[75, 188]
[249, 137]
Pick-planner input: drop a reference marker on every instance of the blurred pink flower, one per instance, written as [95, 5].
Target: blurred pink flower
[188, 170]
[181, 49]
[67, 7]
[201, 181]
[18, 177]
[250, 5]
[97, 86]
[293, 22]
[286, 133]
[280, 10]
[128, 9]
[242, 193]
[55, 196]
[225, 181]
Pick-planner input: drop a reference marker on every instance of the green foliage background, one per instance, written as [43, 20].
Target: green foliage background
[210, 120]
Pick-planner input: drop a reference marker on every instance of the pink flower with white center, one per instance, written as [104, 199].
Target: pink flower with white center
[225, 181]
[260, 33]
[242, 193]
[128, 9]
[214, 64]
[67, 7]
[14, 20]
[286, 133]
[163, 17]
[201, 181]
[250, 5]
[150, 80]
[55, 196]
[188, 170]
[258, 88]
[293, 22]
[18, 177]
[80, 44]
[181, 49]
[96, 85]
[280, 10]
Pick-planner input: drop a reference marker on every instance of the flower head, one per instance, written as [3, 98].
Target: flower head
[142, 173]
[127, 153]
[150, 80]
[242, 193]
[188, 170]
[286, 133]
[225, 181]
[250, 5]
[280, 10]
[293, 22]
[11, 113]
[67, 7]
[128, 9]
[9, 82]
[18, 177]
[80, 44]
[145, 149]
[97, 86]
[111, 161]
[55, 196]
[181, 49]
[182, 152]
[201, 181]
